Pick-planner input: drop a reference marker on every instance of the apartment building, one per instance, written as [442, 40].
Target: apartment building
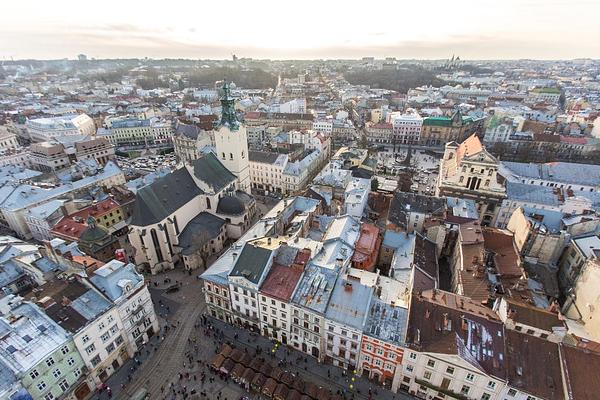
[40, 352]
[126, 289]
[47, 129]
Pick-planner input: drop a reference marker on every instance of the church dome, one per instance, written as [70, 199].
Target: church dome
[93, 233]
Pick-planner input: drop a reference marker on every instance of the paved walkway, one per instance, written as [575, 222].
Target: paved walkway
[305, 366]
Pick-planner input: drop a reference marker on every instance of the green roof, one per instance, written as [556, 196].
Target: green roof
[444, 121]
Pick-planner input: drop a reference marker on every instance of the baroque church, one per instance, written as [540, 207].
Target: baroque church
[187, 216]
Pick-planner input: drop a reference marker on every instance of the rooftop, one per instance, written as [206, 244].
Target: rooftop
[252, 262]
[568, 173]
[315, 288]
[115, 279]
[349, 303]
[386, 322]
[447, 323]
[200, 230]
[28, 336]
[281, 282]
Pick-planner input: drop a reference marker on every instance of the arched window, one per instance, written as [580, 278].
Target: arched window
[176, 225]
[208, 203]
[223, 156]
[156, 245]
[231, 156]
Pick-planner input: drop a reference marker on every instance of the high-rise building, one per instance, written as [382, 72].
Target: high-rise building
[231, 141]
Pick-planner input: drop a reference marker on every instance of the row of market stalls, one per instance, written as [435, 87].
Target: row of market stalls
[257, 375]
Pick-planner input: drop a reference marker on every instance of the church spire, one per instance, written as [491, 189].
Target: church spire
[228, 117]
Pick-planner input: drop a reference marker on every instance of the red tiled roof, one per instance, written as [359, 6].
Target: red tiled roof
[471, 145]
[73, 225]
[367, 244]
[281, 282]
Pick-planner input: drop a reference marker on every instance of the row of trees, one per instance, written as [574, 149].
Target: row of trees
[401, 80]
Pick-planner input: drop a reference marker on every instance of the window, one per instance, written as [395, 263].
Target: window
[114, 329]
[512, 392]
[50, 361]
[64, 350]
[41, 385]
[34, 374]
[486, 396]
[427, 375]
[56, 373]
[491, 385]
[465, 390]
[412, 356]
[90, 349]
[430, 363]
[110, 319]
[64, 385]
[49, 396]
[101, 326]
[470, 377]
[77, 373]
[110, 348]
[450, 370]
[70, 361]
[410, 368]
[531, 398]
[105, 336]
[119, 340]
[95, 361]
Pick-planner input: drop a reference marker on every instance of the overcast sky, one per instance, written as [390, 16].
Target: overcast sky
[484, 29]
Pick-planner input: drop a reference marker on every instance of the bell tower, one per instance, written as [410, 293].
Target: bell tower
[231, 140]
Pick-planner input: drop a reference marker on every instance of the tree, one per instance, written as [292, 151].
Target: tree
[363, 144]
[200, 241]
[374, 184]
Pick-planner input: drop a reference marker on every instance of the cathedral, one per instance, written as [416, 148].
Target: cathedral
[187, 216]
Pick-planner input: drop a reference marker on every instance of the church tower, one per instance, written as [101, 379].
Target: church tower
[231, 141]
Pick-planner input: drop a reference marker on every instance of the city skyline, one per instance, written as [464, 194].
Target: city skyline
[474, 30]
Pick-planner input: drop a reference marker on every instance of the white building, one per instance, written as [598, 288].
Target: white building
[92, 319]
[356, 196]
[325, 126]
[295, 106]
[127, 290]
[406, 127]
[266, 171]
[44, 129]
[166, 207]
[19, 199]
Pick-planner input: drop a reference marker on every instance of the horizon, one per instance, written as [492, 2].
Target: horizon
[474, 30]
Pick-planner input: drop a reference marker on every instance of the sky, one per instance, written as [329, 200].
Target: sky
[309, 29]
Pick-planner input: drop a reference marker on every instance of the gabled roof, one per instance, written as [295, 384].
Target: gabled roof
[251, 263]
[200, 230]
[163, 197]
[445, 322]
[533, 365]
[404, 203]
[471, 145]
[209, 170]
